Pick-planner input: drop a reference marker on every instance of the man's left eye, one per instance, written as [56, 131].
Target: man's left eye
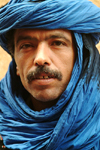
[57, 43]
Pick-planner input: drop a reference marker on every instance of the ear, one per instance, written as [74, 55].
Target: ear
[17, 71]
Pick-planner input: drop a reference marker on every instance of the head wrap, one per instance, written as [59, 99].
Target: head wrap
[79, 16]
[73, 123]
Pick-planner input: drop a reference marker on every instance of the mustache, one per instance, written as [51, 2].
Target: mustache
[43, 69]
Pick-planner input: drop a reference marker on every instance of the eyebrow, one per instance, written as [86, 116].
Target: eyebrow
[21, 38]
[61, 36]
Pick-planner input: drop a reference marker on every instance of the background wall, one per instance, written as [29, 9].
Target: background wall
[5, 58]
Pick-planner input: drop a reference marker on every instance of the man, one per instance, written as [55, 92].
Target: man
[50, 96]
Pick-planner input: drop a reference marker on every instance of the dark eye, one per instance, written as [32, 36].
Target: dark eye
[26, 46]
[57, 43]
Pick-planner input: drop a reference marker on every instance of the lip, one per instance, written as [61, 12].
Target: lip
[43, 81]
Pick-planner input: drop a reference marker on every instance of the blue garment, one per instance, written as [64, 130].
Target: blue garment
[74, 122]
[79, 16]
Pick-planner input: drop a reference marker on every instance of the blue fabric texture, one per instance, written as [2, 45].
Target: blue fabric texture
[79, 16]
[74, 122]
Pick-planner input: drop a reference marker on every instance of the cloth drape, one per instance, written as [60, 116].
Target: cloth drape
[74, 122]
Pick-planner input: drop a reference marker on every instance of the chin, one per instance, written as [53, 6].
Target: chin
[45, 97]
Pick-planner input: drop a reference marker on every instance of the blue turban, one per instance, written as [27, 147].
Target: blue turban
[79, 16]
[74, 122]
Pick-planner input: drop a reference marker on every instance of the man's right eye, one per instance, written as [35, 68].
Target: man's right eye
[26, 46]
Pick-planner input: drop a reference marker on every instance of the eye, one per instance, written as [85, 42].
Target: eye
[58, 43]
[26, 46]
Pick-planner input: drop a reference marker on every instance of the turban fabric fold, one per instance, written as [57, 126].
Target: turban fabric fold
[79, 16]
[74, 122]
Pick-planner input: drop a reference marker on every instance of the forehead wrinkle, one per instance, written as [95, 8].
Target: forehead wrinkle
[47, 37]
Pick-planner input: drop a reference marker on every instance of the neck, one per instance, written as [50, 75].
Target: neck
[40, 105]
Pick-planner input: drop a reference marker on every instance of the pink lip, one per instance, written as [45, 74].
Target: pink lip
[43, 81]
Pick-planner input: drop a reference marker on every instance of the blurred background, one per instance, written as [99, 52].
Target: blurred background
[5, 58]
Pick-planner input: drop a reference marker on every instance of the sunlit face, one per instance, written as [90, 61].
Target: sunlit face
[53, 53]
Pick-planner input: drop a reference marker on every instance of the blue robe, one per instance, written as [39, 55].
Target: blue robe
[74, 122]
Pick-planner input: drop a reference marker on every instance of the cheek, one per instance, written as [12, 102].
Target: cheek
[22, 66]
[22, 60]
[66, 66]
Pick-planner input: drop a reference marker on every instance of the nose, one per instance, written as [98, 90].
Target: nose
[42, 55]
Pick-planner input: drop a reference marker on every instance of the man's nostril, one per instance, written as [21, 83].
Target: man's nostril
[45, 63]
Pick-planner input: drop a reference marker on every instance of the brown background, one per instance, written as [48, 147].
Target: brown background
[5, 58]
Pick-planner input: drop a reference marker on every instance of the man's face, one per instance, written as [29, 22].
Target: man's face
[45, 60]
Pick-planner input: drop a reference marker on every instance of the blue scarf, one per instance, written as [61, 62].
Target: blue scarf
[74, 122]
[79, 16]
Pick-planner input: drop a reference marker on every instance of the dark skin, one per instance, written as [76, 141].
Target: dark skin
[53, 49]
